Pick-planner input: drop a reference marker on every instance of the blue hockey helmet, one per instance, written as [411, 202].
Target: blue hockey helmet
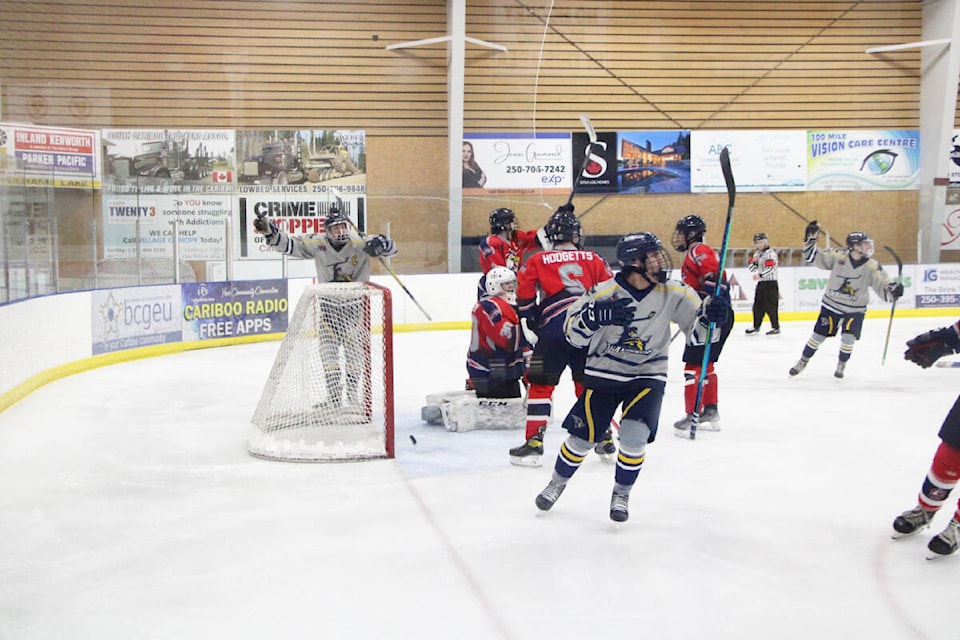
[860, 242]
[635, 252]
[336, 225]
[564, 226]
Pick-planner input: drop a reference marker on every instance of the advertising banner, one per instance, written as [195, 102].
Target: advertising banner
[938, 285]
[811, 284]
[301, 161]
[292, 215]
[168, 161]
[761, 160]
[230, 309]
[135, 317]
[634, 162]
[868, 160]
[202, 219]
[520, 163]
[50, 157]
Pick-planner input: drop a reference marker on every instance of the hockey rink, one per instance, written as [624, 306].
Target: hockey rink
[129, 508]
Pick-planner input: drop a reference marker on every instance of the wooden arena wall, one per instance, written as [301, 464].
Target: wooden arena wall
[630, 64]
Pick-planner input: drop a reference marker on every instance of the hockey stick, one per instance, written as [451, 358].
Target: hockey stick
[948, 364]
[731, 194]
[592, 135]
[336, 194]
[894, 305]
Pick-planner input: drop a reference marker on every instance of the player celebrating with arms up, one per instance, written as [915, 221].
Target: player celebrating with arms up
[853, 272]
[625, 326]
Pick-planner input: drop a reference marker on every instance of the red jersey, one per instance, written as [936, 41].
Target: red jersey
[550, 281]
[496, 341]
[699, 262]
[497, 252]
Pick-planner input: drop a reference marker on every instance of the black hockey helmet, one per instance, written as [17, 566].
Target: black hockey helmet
[638, 247]
[690, 229]
[861, 242]
[757, 237]
[336, 225]
[564, 226]
[503, 219]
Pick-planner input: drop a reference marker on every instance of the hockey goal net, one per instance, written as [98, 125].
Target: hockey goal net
[329, 395]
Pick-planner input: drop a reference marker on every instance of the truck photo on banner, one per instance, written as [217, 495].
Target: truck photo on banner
[300, 161]
[168, 161]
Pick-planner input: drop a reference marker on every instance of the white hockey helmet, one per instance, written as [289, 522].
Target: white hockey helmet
[502, 282]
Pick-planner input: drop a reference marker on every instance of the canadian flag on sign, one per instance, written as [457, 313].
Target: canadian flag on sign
[222, 176]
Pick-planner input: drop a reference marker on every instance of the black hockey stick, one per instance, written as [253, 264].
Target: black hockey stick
[592, 135]
[731, 194]
[336, 194]
[894, 305]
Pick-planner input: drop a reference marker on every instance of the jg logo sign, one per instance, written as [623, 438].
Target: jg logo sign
[930, 275]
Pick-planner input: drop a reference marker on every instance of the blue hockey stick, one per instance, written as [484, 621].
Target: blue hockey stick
[731, 194]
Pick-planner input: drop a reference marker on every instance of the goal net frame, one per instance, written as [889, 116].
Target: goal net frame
[329, 395]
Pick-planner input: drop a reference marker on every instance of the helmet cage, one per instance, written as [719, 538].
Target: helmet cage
[861, 243]
[503, 219]
[337, 226]
[643, 253]
[501, 281]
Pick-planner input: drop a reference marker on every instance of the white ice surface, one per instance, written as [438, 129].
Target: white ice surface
[130, 509]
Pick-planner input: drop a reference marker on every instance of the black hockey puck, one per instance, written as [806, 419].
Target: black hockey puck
[412, 439]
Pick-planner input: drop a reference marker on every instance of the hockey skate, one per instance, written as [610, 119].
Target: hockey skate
[606, 449]
[753, 331]
[800, 366]
[840, 367]
[618, 506]
[550, 495]
[529, 453]
[709, 421]
[911, 522]
[773, 332]
[945, 543]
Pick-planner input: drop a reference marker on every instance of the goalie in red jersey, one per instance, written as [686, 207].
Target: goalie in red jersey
[495, 360]
[549, 282]
[699, 271]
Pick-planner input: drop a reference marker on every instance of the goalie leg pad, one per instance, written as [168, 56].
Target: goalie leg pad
[470, 414]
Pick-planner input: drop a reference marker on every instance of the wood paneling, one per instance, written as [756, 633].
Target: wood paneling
[630, 64]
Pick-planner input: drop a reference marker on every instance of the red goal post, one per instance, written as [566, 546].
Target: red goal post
[329, 395]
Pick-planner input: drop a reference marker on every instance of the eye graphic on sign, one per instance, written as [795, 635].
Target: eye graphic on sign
[879, 162]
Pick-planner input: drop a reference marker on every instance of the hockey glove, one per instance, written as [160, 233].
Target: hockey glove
[377, 245]
[894, 290]
[811, 232]
[608, 312]
[929, 347]
[716, 308]
[265, 227]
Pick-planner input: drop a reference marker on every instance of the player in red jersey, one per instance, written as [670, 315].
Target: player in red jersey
[506, 246]
[699, 271]
[549, 282]
[495, 360]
